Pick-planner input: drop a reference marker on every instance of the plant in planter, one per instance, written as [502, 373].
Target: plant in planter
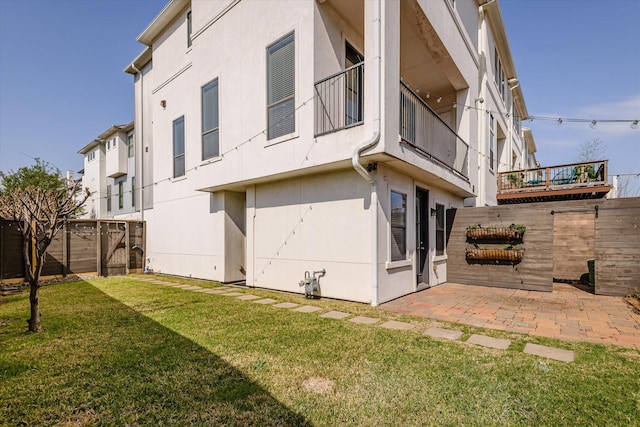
[513, 232]
[515, 180]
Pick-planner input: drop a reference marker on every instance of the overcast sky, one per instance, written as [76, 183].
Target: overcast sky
[62, 84]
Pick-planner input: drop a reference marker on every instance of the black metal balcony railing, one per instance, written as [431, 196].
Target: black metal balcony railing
[563, 177]
[339, 100]
[424, 130]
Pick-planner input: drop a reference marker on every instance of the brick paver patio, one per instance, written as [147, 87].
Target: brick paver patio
[567, 313]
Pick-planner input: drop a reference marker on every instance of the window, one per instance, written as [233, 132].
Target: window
[114, 142]
[108, 144]
[500, 77]
[131, 146]
[440, 219]
[281, 87]
[210, 125]
[398, 226]
[353, 86]
[492, 137]
[91, 156]
[189, 27]
[108, 198]
[133, 191]
[178, 147]
[120, 195]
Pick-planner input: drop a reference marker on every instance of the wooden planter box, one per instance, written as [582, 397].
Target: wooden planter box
[494, 233]
[514, 255]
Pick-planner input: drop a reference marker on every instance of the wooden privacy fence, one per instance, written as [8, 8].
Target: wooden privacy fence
[560, 238]
[83, 246]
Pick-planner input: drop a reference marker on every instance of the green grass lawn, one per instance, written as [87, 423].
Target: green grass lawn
[121, 351]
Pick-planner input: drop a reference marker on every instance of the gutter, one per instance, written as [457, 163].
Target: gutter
[134, 68]
[367, 145]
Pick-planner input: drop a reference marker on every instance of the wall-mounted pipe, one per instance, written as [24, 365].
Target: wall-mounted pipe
[370, 143]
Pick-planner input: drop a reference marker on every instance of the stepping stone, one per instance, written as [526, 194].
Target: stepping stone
[335, 315]
[216, 291]
[265, 301]
[364, 320]
[232, 294]
[549, 352]
[248, 297]
[443, 333]
[490, 342]
[182, 286]
[392, 324]
[286, 305]
[203, 290]
[191, 288]
[307, 309]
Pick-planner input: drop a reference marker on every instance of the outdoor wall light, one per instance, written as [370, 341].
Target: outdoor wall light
[433, 212]
[163, 103]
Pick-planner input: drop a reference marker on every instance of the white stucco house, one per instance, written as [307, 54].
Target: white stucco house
[109, 173]
[278, 137]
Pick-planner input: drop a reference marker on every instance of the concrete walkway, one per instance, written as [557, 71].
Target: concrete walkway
[567, 313]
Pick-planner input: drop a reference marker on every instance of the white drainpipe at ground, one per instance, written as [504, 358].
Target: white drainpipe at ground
[368, 144]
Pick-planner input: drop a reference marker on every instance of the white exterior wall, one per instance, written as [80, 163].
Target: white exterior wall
[267, 211]
[94, 178]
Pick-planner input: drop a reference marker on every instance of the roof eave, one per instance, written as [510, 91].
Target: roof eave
[160, 22]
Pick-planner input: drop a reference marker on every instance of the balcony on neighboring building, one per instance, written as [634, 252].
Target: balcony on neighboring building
[574, 181]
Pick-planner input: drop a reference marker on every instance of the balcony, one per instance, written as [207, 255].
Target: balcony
[339, 100]
[422, 129]
[565, 182]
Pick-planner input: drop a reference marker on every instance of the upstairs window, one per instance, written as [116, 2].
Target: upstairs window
[210, 124]
[108, 198]
[133, 191]
[178, 147]
[492, 137]
[281, 87]
[131, 146]
[189, 28]
[120, 195]
[91, 156]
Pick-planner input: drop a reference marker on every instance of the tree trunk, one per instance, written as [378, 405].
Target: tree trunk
[34, 321]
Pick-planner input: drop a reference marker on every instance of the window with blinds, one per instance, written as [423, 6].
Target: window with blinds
[281, 87]
[178, 147]
[210, 124]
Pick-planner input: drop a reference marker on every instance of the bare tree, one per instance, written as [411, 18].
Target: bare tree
[590, 151]
[40, 200]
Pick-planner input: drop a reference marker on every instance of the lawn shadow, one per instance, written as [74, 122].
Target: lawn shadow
[104, 362]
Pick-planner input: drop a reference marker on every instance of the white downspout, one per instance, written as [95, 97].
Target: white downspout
[133, 67]
[368, 144]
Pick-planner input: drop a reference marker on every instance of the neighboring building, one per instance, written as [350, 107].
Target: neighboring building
[110, 174]
[278, 137]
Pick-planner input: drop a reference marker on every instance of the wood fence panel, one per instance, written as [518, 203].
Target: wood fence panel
[617, 234]
[11, 258]
[534, 272]
[82, 247]
[73, 251]
[136, 247]
[54, 258]
[574, 236]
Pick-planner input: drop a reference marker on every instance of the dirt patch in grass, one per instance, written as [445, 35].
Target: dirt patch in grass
[318, 385]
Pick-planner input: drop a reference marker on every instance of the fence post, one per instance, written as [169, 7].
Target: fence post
[65, 248]
[128, 247]
[98, 248]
